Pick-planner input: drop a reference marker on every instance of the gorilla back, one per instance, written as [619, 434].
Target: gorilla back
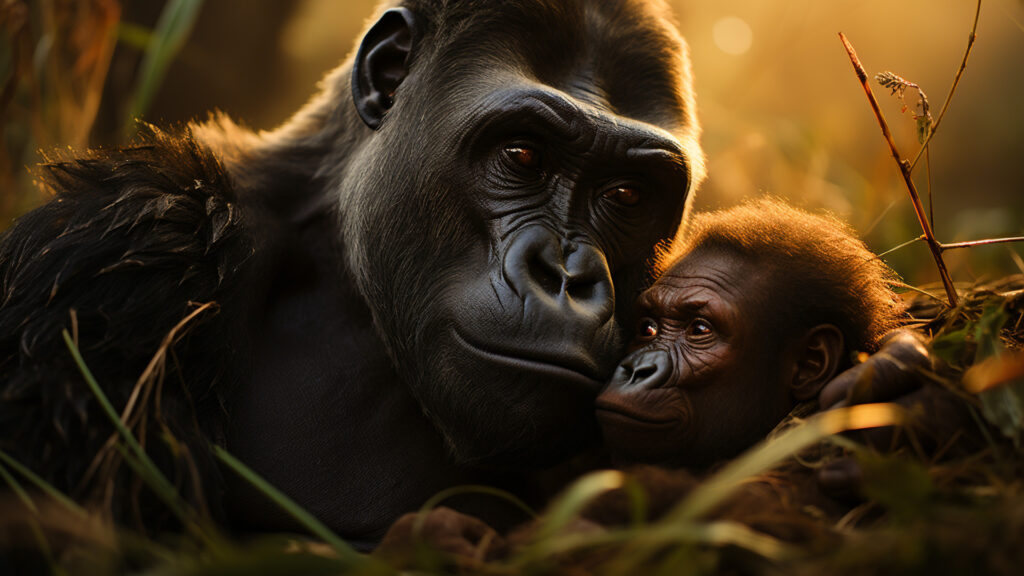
[420, 288]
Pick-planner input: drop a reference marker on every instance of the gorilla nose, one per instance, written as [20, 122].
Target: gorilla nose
[643, 370]
[568, 275]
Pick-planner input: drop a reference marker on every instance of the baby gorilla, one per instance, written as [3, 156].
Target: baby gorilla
[754, 312]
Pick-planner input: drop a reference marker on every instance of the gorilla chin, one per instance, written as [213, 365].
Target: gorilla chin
[540, 401]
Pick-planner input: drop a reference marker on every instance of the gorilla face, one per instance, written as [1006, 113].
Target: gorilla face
[534, 196]
[706, 375]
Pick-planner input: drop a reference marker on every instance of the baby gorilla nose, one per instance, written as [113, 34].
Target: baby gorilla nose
[644, 369]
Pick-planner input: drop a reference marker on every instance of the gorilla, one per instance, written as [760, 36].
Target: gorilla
[752, 312]
[415, 282]
[757, 309]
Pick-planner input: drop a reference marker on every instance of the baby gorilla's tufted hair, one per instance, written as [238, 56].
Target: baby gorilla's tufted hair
[825, 273]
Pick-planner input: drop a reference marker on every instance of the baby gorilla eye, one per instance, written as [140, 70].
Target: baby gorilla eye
[524, 156]
[648, 329]
[700, 330]
[625, 195]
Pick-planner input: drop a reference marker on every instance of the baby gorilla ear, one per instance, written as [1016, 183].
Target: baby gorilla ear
[816, 361]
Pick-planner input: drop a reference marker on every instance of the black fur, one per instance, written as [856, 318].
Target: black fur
[133, 241]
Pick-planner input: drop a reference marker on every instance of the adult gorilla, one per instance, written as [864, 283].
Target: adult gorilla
[418, 279]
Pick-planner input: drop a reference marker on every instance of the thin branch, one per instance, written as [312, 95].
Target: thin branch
[895, 248]
[955, 245]
[904, 166]
[1016, 260]
[952, 89]
[878, 219]
[928, 173]
[916, 290]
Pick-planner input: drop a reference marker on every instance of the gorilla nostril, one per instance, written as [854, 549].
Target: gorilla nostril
[571, 278]
[546, 275]
[643, 373]
[581, 290]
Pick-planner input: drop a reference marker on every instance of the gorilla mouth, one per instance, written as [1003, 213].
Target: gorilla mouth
[619, 407]
[572, 370]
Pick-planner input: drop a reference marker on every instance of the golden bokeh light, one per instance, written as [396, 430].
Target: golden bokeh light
[732, 35]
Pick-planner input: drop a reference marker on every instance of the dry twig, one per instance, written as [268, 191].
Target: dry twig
[933, 244]
[952, 89]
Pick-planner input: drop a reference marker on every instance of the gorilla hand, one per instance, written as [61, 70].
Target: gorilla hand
[901, 372]
[897, 370]
[460, 537]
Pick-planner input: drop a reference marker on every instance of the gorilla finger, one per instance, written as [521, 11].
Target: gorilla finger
[838, 389]
[883, 377]
[892, 372]
[908, 347]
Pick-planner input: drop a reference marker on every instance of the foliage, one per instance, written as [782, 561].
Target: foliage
[982, 340]
[172, 30]
[899, 87]
[927, 126]
[54, 61]
[901, 527]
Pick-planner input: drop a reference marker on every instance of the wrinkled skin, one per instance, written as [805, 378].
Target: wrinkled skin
[702, 381]
[709, 374]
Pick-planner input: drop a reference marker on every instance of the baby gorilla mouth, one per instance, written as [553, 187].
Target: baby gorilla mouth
[614, 405]
[642, 425]
[574, 368]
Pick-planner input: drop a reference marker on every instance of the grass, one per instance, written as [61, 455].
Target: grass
[982, 492]
[52, 82]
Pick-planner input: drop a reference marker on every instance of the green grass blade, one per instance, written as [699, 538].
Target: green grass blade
[454, 491]
[171, 31]
[34, 527]
[138, 37]
[563, 510]
[575, 498]
[758, 459]
[15, 486]
[135, 455]
[42, 485]
[770, 453]
[711, 533]
[345, 552]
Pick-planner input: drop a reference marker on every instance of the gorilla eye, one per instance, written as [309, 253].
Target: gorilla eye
[524, 156]
[625, 195]
[699, 329]
[648, 329]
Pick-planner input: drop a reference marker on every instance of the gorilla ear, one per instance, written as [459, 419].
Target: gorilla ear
[816, 361]
[381, 64]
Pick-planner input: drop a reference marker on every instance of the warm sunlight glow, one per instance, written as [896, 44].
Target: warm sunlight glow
[733, 35]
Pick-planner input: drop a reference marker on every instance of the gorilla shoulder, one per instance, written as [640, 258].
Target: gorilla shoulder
[133, 242]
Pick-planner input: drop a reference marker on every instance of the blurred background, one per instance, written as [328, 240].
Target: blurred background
[782, 111]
